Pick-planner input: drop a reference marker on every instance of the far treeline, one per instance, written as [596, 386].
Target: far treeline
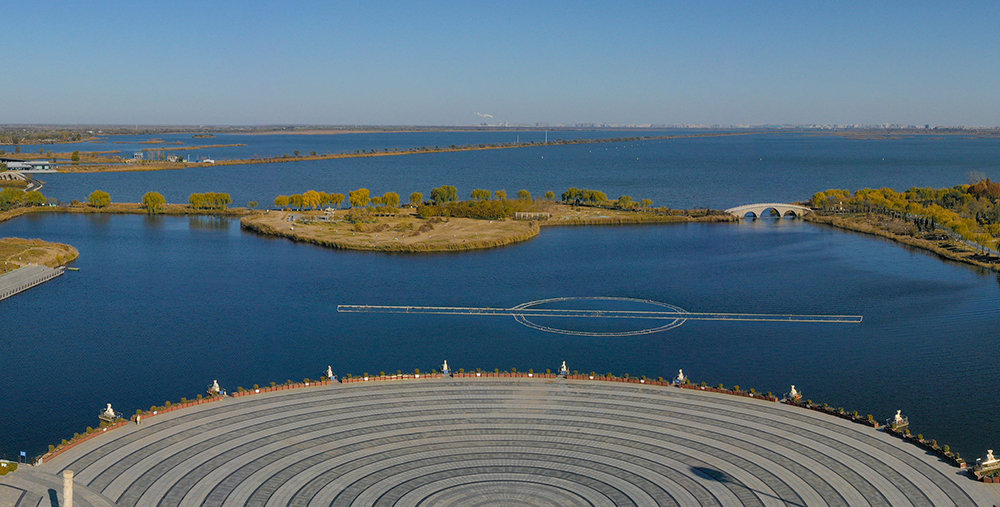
[444, 201]
[970, 211]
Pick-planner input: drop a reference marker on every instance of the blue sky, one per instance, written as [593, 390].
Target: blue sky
[438, 63]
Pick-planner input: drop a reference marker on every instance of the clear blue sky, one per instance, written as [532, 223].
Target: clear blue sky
[438, 63]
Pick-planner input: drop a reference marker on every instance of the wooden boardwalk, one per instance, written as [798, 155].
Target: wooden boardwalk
[25, 278]
[496, 442]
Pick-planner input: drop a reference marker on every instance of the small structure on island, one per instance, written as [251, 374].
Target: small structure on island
[214, 389]
[793, 396]
[108, 414]
[680, 378]
[329, 373]
[989, 466]
[562, 369]
[898, 422]
[444, 368]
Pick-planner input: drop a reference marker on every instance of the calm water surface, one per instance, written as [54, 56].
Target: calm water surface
[162, 306]
[716, 172]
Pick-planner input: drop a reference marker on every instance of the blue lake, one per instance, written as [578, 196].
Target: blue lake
[716, 172]
[162, 306]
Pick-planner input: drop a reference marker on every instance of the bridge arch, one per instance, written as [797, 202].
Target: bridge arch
[758, 209]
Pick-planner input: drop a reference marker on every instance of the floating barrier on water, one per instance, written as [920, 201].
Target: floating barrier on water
[674, 314]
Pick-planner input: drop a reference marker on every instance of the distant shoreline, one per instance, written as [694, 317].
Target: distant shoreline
[160, 166]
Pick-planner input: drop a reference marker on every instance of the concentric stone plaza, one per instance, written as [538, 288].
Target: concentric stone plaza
[484, 442]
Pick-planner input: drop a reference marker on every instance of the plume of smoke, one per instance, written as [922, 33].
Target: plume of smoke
[484, 115]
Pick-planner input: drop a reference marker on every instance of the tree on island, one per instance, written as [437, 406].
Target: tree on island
[445, 193]
[416, 198]
[10, 197]
[336, 199]
[99, 199]
[550, 195]
[501, 195]
[391, 199]
[75, 157]
[625, 201]
[210, 200]
[252, 204]
[296, 200]
[480, 194]
[281, 201]
[153, 202]
[311, 199]
[359, 198]
[646, 203]
[523, 195]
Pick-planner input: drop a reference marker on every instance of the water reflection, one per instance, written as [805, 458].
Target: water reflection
[209, 223]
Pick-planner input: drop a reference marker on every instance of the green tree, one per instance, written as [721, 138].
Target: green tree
[445, 193]
[625, 201]
[75, 157]
[153, 202]
[416, 198]
[281, 201]
[10, 197]
[252, 204]
[646, 203]
[99, 199]
[34, 198]
[391, 199]
[501, 195]
[377, 201]
[336, 199]
[359, 198]
[480, 194]
[523, 195]
[297, 153]
[296, 201]
[550, 195]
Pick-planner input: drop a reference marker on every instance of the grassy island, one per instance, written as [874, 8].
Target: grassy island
[407, 231]
[17, 252]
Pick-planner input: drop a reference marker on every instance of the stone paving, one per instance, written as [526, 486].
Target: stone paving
[496, 442]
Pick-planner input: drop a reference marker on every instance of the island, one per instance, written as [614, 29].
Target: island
[16, 253]
[409, 230]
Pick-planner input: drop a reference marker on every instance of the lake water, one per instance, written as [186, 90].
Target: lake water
[164, 305]
[716, 172]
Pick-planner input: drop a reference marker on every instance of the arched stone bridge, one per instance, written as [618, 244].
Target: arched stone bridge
[759, 209]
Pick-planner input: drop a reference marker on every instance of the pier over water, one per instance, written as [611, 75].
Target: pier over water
[25, 278]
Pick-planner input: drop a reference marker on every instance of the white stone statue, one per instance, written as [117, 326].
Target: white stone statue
[444, 367]
[899, 418]
[215, 387]
[794, 393]
[990, 458]
[109, 412]
[680, 377]
[329, 372]
[562, 369]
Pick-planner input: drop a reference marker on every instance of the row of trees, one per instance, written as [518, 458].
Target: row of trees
[971, 211]
[154, 201]
[597, 198]
[210, 200]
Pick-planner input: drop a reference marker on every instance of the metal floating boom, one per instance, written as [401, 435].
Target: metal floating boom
[607, 314]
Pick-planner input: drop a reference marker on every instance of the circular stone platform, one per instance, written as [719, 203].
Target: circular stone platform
[496, 442]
